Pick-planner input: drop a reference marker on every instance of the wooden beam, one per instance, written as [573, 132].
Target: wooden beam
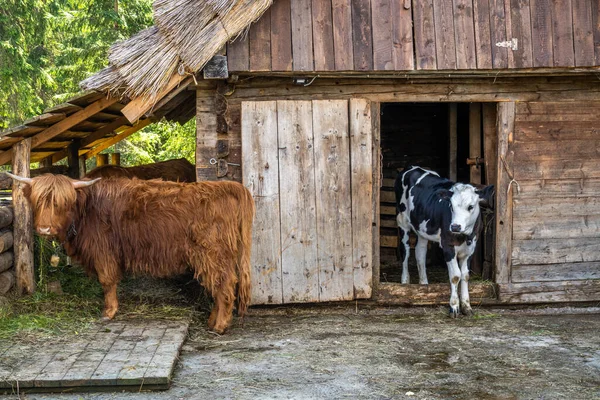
[23, 221]
[453, 140]
[101, 159]
[504, 191]
[475, 141]
[73, 159]
[141, 105]
[155, 111]
[95, 136]
[123, 135]
[115, 158]
[62, 126]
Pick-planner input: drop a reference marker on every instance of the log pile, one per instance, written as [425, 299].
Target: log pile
[7, 273]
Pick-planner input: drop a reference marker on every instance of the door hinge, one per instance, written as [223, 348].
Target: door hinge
[512, 44]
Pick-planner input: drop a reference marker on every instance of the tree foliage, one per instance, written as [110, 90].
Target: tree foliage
[48, 46]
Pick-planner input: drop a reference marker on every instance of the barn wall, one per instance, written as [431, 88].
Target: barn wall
[378, 35]
[556, 211]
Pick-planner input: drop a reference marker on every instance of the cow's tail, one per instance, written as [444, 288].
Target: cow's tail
[245, 246]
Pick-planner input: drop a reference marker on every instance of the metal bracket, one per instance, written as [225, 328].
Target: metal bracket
[512, 44]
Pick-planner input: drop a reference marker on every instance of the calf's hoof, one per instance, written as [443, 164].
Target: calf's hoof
[454, 311]
[466, 309]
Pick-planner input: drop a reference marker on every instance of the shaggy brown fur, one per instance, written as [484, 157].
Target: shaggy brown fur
[121, 225]
[180, 170]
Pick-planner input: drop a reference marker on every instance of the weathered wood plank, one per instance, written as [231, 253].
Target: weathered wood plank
[562, 33]
[238, 54]
[548, 292]
[381, 13]
[559, 131]
[520, 22]
[453, 141]
[556, 272]
[567, 117]
[559, 108]
[361, 178]
[557, 169]
[342, 35]
[557, 227]
[281, 36]
[23, 221]
[402, 35]
[432, 294]
[475, 141]
[323, 35]
[377, 183]
[259, 38]
[444, 35]
[483, 41]
[559, 187]
[206, 137]
[583, 32]
[556, 207]
[541, 33]
[334, 210]
[490, 143]
[554, 251]
[498, 33]
[504, 191]
[596, 30]
[297, 202]
[548, 150]
[464, 33]
[362, 36]
[302, 36]
[424, 31]
[261, 177]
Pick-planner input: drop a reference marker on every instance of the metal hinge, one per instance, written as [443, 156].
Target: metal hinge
[512, 44]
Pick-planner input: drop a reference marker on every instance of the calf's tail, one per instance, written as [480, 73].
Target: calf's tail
[244, 247]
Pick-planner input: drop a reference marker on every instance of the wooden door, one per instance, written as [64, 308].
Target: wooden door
[308, 165]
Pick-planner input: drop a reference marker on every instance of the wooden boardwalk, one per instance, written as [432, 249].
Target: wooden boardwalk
[122, 355]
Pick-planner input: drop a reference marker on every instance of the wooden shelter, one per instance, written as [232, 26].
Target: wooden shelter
[321, 101]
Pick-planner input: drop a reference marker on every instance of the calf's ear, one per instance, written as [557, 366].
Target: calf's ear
[444, 194]
[486, 196]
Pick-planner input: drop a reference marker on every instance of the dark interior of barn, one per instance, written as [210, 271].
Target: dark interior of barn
[420, 134]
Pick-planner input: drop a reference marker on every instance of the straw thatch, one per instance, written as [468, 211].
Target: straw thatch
[188, 33]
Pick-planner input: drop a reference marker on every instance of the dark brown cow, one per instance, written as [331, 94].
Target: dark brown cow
[119, 225]
[179, 170]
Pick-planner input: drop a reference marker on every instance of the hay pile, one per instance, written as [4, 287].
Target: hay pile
[188, 33]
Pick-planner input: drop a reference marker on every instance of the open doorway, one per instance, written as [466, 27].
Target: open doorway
[456, 140]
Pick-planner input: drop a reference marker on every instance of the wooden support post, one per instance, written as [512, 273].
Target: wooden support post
[206, 137]
[453, 140]
[377, 183]
[475, 141]
[23, 220]
[73, 158]
[46, 162]
[101, 159]
[82, 168]
[490, 155]
[504, 191]
[115, 158]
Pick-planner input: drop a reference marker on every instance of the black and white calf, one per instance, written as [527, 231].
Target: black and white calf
[445, 212]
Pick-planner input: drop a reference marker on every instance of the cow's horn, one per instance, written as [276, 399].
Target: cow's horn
[82, 184]
[19, 178]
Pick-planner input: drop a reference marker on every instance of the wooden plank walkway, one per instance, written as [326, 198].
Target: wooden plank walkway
[117, 355]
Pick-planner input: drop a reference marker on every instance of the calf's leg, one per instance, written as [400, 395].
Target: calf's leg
[421, 255]
[454, 274]
[403, 250]
[465, 303]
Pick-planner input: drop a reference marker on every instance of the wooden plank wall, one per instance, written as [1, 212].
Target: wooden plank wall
[378, 35]
[556, 213]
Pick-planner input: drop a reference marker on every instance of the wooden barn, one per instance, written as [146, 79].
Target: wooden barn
[317, 103]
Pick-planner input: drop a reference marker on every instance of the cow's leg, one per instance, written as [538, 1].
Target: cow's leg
[109, 276]
[403, 253]
[454, 274]
[421, 255]
[465, 303]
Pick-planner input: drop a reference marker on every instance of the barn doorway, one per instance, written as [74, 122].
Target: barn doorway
[457, 140]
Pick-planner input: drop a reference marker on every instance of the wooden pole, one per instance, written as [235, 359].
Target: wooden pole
[23, 220]
[475, 141]
[115, 158]
[46, 162]
[82, 170]
[101, 159]
[453, 140]
[73, 158]
[504, 191]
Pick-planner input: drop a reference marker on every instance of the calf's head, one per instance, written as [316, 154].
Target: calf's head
[53, 198]
[464, 202]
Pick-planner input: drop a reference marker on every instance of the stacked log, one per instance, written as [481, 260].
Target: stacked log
[7, 273]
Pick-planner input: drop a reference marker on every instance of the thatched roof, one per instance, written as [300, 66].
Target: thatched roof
[187, 34]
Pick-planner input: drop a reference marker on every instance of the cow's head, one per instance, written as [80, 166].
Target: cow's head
[53, 198]
[464, 202]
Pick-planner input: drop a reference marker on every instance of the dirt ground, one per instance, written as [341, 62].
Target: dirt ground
[379, 353]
